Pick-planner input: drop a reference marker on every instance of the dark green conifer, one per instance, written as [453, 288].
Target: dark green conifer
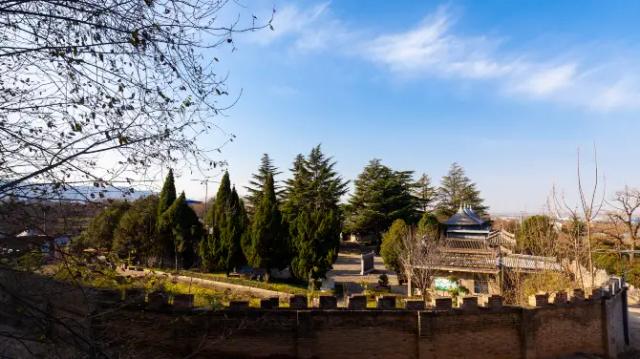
[270, 247]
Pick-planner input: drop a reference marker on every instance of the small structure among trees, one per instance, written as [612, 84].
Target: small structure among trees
[465, 256]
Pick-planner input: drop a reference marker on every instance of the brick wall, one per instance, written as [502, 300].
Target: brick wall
[549, 331]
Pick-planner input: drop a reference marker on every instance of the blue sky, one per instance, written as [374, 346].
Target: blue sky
[507, 89]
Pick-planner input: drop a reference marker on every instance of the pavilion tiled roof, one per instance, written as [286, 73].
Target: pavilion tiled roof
[465, 216]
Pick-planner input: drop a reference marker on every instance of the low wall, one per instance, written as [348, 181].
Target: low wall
[590, 326]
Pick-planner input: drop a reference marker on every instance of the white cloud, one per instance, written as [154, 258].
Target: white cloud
[308, 29]
[434, 49]
[548, 80]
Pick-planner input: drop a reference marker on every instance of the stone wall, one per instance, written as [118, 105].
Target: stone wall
[550, 330]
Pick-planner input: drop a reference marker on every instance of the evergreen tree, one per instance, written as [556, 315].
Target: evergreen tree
[381, 196]
[312, 211]
[185, 229]
[164, 246]
[99, 233]
[538, 236]
[270, 247]
[456, 189]
[256, 184]
[425, 193]
[227, 222]
[391, 248]
[135, 235]
[167, 194]
[429, 226]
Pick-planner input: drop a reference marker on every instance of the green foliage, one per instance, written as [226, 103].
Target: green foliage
[424, 193]
[312, 211]
[391, 247]
[164, 237]
[457, 189]
[227, 222]
[381, 196]
[99, 233]
[167, 194]
[185, 230]
[537, 235]
[135, 234]
[256, 184]
[429, 226]
[270, 245]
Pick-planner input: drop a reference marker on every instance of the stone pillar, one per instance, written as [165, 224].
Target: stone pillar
[495, 302]
[387, 302]
[357, 302]
[298, 302]
[542, 300]
[157, 300]
[561, 298]
[270, 303]
[444, 303]
[238, 305]
[469, 303]
[328, 302]
[414, 304]
[578, 295]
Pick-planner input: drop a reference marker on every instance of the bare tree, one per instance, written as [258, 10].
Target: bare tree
[589, 208]
[137, 79]
[419, 258]
[624, 214]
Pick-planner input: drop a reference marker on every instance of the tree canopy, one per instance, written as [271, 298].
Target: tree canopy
[124, 77]
[257, 181]
[269, 237]
[135, 236]
[226, 222]
[457, 189]
[391, 248]
[311, 207]
[381, 196]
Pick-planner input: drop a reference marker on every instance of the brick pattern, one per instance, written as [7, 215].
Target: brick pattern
[473, 331]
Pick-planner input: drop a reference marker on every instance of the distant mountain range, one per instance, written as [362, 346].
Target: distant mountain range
[78, 193]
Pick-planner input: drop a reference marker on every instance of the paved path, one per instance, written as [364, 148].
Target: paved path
[208, 283]
[346, 270]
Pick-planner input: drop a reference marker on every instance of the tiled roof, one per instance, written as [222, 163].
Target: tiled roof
[465, 217]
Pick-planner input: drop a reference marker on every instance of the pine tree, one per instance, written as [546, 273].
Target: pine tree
[425, 193]
[256, 184]
[270, 247]
[167, 194]
[134, 237]
[227, 223]
[312, 211]
[164, 246]
[185, 229]
[381, 196]
[456, 189]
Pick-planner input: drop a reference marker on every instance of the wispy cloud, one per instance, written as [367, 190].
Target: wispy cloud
[432, 48]
[310, 29]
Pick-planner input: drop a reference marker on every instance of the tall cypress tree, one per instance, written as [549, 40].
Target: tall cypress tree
[311, 208]
[168, 193]
[256, 184]
[185, 229]
[226, 221]
[456, 189]
[165, 248]
[270, 247]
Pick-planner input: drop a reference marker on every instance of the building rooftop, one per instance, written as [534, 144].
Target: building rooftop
[465, 216]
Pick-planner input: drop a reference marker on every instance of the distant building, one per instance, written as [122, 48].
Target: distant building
[475, 257]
